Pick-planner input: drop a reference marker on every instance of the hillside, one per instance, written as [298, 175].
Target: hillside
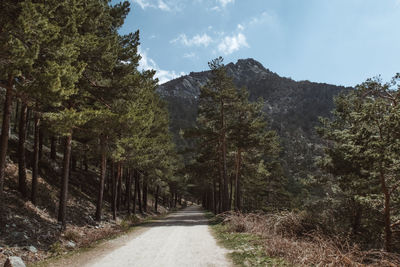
[293, 108]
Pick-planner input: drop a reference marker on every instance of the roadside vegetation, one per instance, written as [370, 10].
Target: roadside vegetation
[289, 239]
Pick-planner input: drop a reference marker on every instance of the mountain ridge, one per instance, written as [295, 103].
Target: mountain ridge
[293, 107]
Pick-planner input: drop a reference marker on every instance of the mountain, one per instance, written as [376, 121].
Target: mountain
[293, 108]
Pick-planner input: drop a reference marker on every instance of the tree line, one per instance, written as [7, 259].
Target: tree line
[354, 192]
[69, 75]
[235, 161]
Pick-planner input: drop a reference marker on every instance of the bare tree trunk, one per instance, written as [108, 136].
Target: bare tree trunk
[103, 169]
[119, 181]
[386, 212]
[145, 189]
[215, 196]
[138, 193]
[230, 192]
[225, 193]
[5, 131]
[53, 148]
[135, 190]
[28, 123]
[156, 198]
[64, 181]
[21, 150]
[115, 191]
[128, 190]
[237, 180]
[41, 137]
[35, 161]
[16, 125]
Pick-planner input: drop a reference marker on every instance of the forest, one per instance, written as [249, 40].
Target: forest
[78, 111]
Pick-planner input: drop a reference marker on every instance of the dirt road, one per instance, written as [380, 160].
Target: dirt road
[181, 239]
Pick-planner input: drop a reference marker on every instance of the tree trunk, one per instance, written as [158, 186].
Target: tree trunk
[156, 198]
[119, 181]
[134, 190]
[35, 161]
[103, 169]
[28, 123]
[215, 196]
[128, 190]
[386, 212]
[41, 138]
[356, 219]
[64, 181]
[225, 193]
[53, 148]
[21, 150]
[237, 180]
[139, 197]
[16, 124]
[115, 191]
[5, 131]
[145, 189]
[230, 192]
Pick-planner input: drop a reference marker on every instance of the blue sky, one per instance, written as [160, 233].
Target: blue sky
[341, 42]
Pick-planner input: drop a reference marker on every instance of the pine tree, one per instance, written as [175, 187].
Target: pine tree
[215, 103]
[365, 144]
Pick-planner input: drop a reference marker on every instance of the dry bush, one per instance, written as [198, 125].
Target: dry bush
[99, 234]
[296, 238]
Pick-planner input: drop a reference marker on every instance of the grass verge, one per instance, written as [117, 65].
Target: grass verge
[246, 249]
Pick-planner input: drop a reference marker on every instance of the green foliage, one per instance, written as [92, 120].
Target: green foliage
[232, 131]
[363, 154]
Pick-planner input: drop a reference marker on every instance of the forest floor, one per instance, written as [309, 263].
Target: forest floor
[33, 233]
[180, 239]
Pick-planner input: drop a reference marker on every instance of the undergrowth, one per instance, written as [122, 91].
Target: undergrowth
[260, 239]
[247, 249]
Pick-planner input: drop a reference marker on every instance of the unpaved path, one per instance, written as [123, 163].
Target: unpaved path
[181, 239]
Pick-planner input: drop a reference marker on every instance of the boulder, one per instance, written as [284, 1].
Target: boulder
[71, 245]
[32, 249]
[14, 262]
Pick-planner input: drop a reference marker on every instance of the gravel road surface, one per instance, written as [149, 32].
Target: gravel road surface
[181, 239]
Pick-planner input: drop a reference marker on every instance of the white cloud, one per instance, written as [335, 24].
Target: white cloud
[165, 5]
[265, 18]
[240, 27]
[197, 40]
[189, 55]
[233, 43]
[163, 76]
[223, 3]
[143, 3]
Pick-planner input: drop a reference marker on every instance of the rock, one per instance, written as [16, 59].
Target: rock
[32, 249]
[14, 262]
[13, 225]
[71, 244]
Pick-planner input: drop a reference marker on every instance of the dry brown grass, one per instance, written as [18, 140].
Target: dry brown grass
[294, 237]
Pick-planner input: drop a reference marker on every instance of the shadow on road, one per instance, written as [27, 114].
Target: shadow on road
[191, 216]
